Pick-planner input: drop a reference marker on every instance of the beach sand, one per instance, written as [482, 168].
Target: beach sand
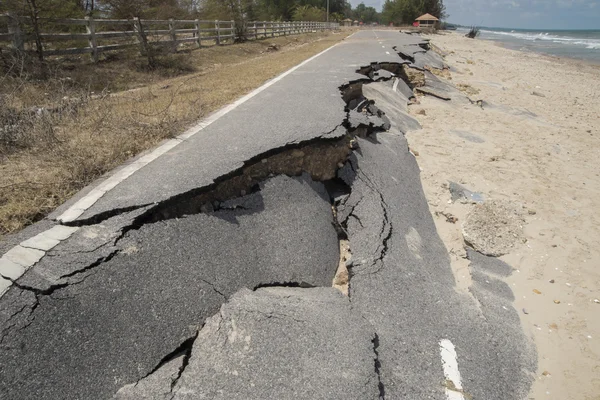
[535, 149]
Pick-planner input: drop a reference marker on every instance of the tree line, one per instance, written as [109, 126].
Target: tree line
[397, 12]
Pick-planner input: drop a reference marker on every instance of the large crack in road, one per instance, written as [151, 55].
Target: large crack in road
[175, 300]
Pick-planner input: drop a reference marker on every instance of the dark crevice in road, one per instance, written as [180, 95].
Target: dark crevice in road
[103, 216]
[404, 55]
[387, 223]
[8, 322]
[396, 69]
[338, 190]
[48, 291]
[93, 265]
[284, 284]
[183, 350]
[214, 288]
[38, 292]
[378, 367]
[387, 228]
[321, 158]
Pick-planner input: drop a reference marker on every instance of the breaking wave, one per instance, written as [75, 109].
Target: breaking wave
[589, 43]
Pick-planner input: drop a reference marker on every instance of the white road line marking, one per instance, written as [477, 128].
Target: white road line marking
[450, 364]
[395, 86]
[15, 262]
[383, 47]
[387, 52]
[75, 211]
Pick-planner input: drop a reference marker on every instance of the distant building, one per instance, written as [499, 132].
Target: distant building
[427, 21]
[347, 22]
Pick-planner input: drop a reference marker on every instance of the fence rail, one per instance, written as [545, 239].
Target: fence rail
[67, 36]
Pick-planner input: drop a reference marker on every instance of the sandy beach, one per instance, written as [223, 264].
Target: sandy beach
[533, 147]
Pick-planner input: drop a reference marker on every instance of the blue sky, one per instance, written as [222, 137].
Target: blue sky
[533, 14]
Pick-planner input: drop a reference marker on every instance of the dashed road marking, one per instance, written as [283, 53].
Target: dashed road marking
[454, 390]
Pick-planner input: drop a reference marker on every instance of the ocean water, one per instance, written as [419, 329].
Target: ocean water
[580, 44]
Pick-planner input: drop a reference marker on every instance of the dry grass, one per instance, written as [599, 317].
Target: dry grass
[86, 130]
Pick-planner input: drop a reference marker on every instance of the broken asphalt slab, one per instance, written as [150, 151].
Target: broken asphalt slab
[282, 116]
[115, 326]
[273, 343]
[402, 274]
[443, 90]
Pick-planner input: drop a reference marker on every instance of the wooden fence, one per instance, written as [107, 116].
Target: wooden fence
[94, 36]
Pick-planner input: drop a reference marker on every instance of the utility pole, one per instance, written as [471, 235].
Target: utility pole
[327, 13]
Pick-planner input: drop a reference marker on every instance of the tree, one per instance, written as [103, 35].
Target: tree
[435, 8]
[365, 14]
[336, 17]
[406, 11]
[309, 13]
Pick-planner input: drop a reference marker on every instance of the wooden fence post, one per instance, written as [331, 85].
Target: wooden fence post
[198, 40]
[90, 28]
[233, 32]
[217, 28]
[15, 29]
[173, 35]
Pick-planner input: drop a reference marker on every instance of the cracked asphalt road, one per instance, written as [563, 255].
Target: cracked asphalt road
[232, 299]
